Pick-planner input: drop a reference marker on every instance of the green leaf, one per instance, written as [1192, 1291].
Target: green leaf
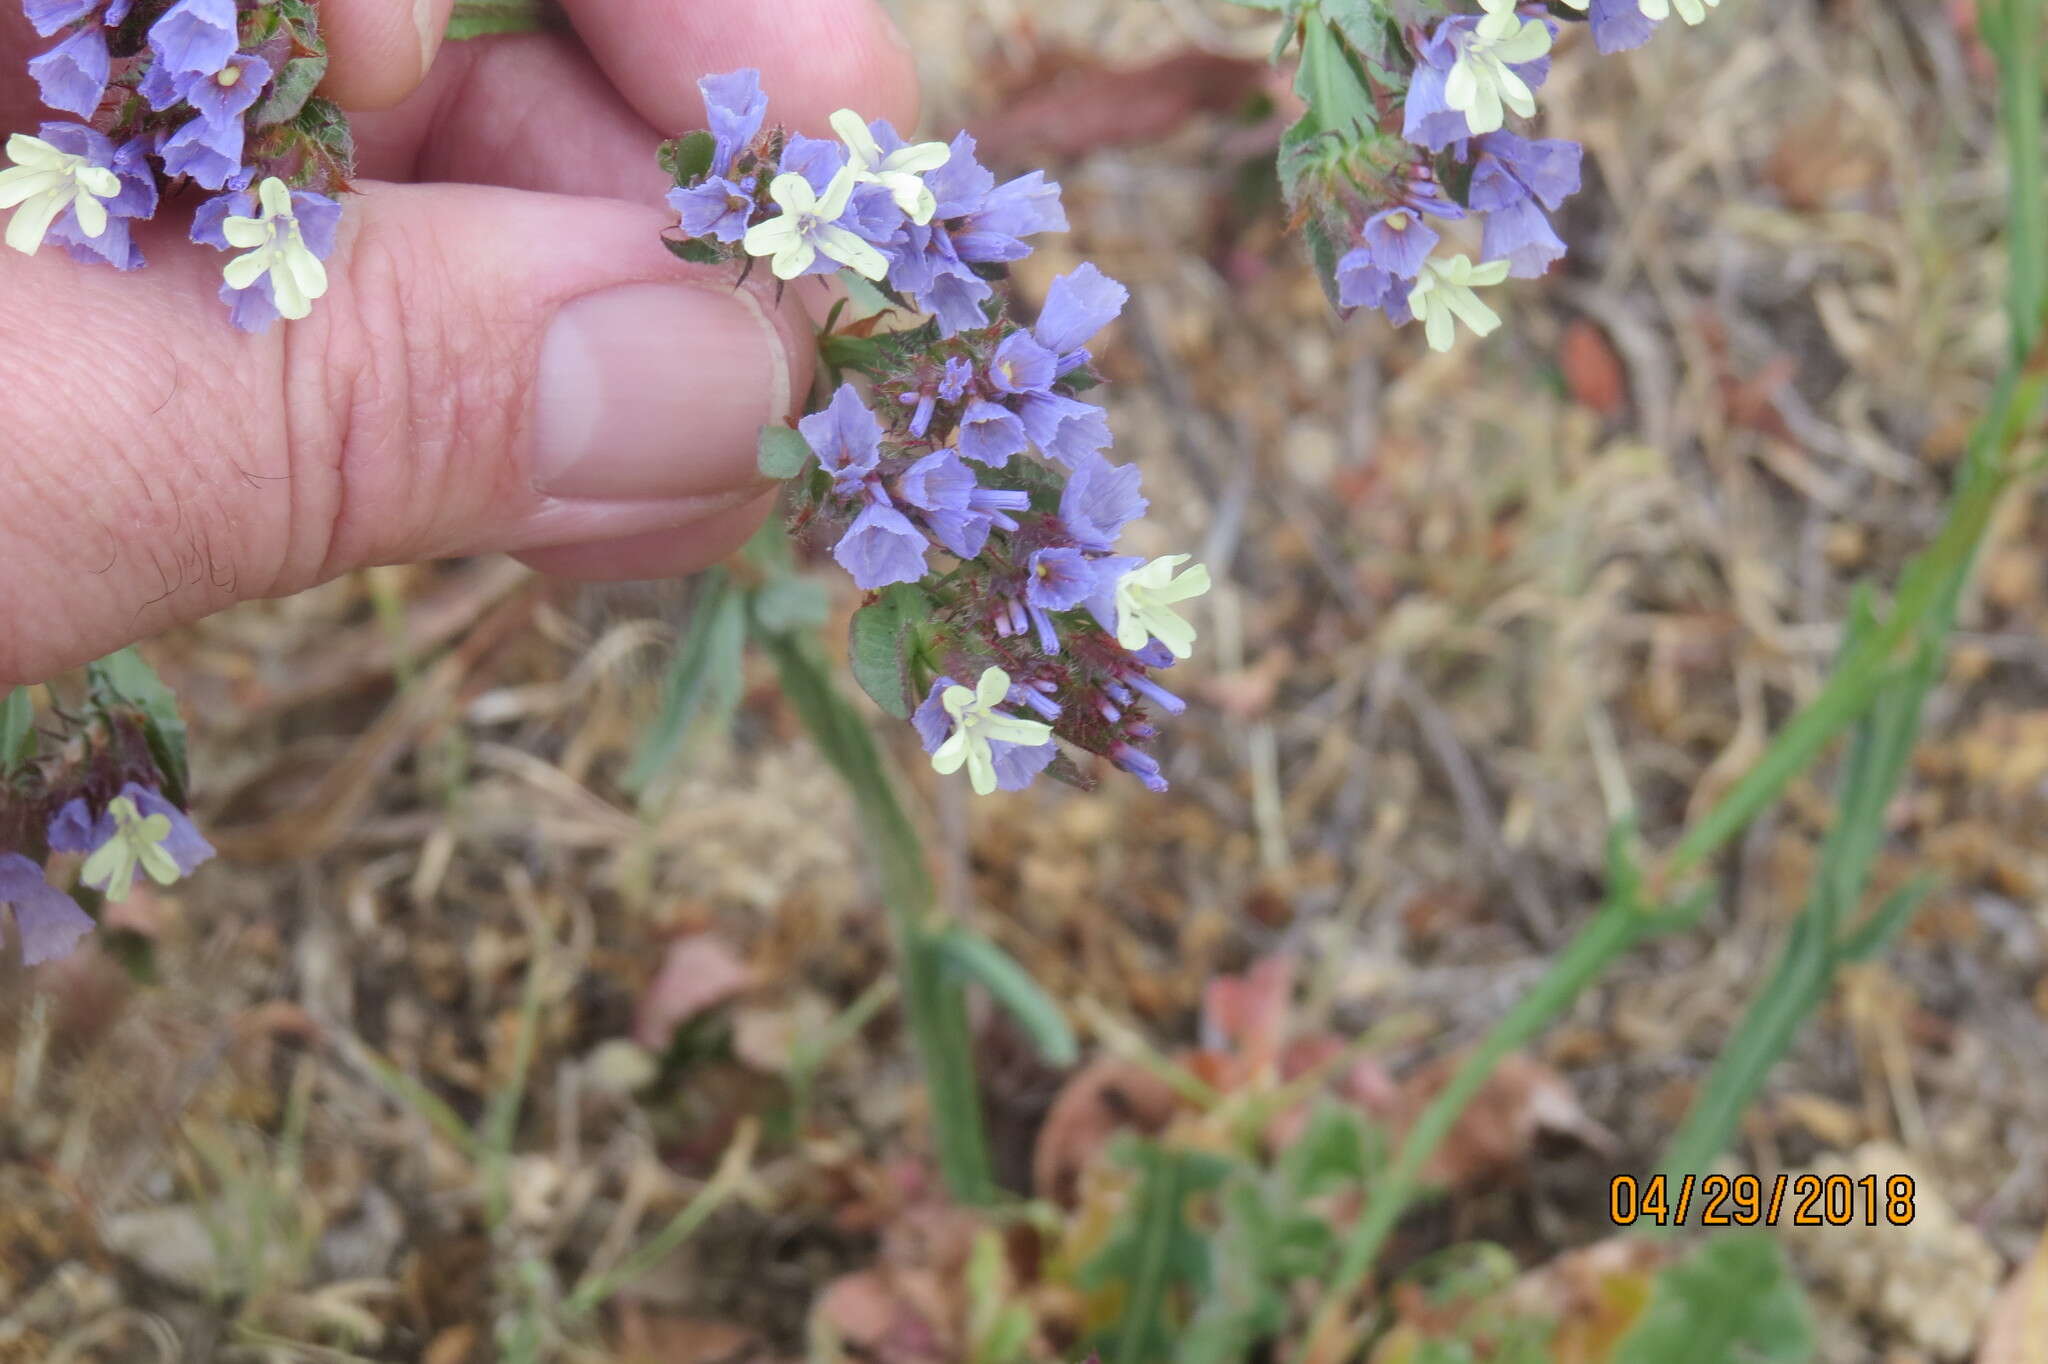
[884, 637]
[862, 353]
[935, 1007]
[704, 678]
[1329, 79]
[1335, 1149]
[865, 295]
[688, 157]
[1363, 24]
[322, 123]
[975, 957]
[1155, 1251]
[1323, 254]
[484, 18]
[294, 86]
[125, 678]
[1734, 1299]
[783, 605]
[17, 731]
[695, 250]
[783, 452]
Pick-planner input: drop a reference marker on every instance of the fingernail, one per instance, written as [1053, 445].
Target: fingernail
[426, 21]
[655, 391]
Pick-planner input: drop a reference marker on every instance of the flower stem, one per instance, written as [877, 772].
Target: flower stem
[1619, 925]
[934, 1000]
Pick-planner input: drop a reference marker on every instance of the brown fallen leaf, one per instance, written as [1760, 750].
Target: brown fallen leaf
[2016, 1330]
[646, 1337]
[883, 1316]
[1825, 160]
[1494, 1136]
[1595, 1294]
[1592, 371]
[698, 972]
[1105, 1097]
[1245, 1022]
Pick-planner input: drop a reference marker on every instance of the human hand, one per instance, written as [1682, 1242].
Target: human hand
[507, 358]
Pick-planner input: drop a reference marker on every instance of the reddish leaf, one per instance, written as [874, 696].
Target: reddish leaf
[1592, 371]
[698, 973]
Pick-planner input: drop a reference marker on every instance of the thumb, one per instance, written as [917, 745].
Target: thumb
[490, 369]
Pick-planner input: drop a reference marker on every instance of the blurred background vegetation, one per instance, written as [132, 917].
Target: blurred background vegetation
[466, 1050]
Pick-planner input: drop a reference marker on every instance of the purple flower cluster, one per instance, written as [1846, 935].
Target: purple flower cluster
[1463, 73]
[136, 832]
[937, 260]
[972, 474]
[204, 91]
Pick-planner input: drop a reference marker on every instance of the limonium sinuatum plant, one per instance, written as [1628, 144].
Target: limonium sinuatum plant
[952, 468]
[207, 92]
[1414, 186]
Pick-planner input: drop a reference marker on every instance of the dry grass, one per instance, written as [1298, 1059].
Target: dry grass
[1461, 612]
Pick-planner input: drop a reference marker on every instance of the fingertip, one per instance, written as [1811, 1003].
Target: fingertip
[655, 554]
[861, 62]
[815, 56]
[379, 50]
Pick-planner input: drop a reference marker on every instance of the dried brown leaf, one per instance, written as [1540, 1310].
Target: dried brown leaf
[697, 973]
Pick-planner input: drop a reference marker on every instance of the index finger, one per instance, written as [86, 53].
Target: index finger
[378, 51]
[815, 56]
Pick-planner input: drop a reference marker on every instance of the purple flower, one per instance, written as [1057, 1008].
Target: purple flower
[73, 74]
[988, 222]
[1511, 168]
[1078, 305]
[881, 547]
[948, 384]
[1021, 365]
[71, 830]
[943, 488]
[253, 309]
[1133, 682]
[959, 510]
[1064, 429]
[717, 208]
[1102, 604]
[975, 222]
[1520, 235]
[990, 433]
[47, 920]
[1061, 579]
[959, 373]
[733, 109]
[845, 437]
[870, 213]
[1361, 284]
[1619, 25]
[1015, 764]
[1510, 177]
[136, 201]
[195, 35]
[1139, 764]
[1100, 499]
[47, 16]
[1428, 120]
[209, 152]
[1398, 241]
[816, 159]
[221, 96]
